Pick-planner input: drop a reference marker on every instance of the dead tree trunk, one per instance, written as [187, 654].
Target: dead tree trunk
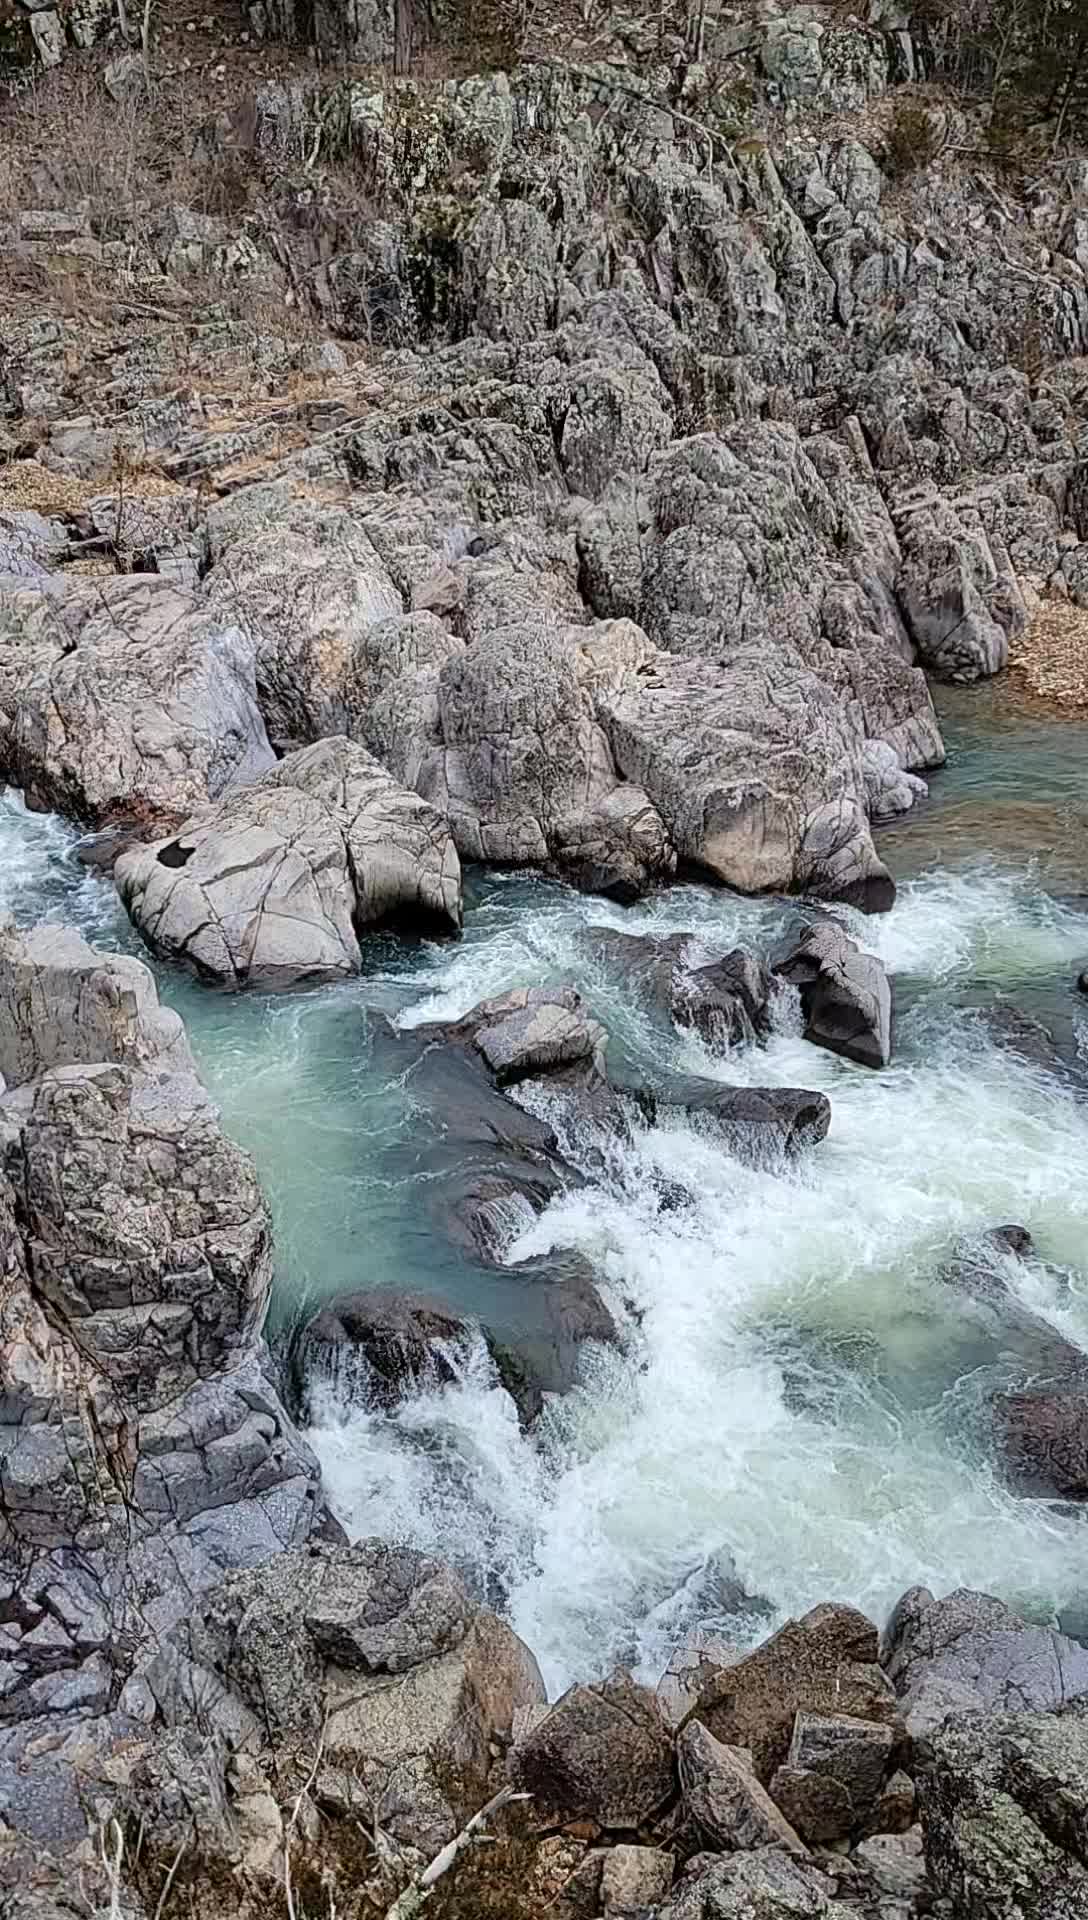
[403, 35]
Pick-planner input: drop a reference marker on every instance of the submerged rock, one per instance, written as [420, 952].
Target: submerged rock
[373, 1349]
[845, 995]
[1043, 1436]
[273, 886]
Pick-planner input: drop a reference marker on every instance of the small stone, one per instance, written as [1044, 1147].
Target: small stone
[895, 1862]
[895, 1806]
[819, 1808]
[635, 1877]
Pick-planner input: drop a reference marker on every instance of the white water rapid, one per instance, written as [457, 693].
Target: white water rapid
[802, 1392]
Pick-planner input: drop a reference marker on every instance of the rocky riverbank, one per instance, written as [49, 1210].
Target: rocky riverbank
[581, 467]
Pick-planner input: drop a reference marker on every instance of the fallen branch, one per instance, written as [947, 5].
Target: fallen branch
[418, 1891]
[164, 1896]
[288, 1892]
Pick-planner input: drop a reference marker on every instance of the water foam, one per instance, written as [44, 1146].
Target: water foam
[802, 1390]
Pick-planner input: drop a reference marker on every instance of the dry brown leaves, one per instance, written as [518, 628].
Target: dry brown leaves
[1050, 658]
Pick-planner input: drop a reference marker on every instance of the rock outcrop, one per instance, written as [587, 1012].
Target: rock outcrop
[145, 709]
[1005, 1796]
[273, 885]
[143, 1448]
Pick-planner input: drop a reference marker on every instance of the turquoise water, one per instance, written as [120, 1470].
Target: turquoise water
[799, 1388]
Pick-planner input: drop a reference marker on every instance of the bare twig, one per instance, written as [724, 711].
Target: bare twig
[418, 1891]
[164, 1896]
[113, 1866]
[288, 1892]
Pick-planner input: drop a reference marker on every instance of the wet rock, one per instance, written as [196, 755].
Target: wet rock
[1044, 1440]
[723, 1797]
[370, 1349]
[728, 1001]
[1082, 981]
[845, 995]
[825, 1663]
[536, 1030]
[755, 1121]
[1003, 1799]
[984, 1272]
[969, 1653]
[602, 1752]
[633, 1878]
[150, 711]
[272, 886]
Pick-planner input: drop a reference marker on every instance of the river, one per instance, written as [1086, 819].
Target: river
[801, 1391]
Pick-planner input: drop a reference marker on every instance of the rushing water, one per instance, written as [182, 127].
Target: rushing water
[800, 1390]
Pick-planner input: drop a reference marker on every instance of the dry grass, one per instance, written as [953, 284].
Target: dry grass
[27, 484]
[1050, 659]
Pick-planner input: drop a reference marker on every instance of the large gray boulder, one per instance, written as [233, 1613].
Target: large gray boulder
[1003, 1801]
[149, 712]
[64, 1004]
[845, 994]
[523, 769]
[273, 886]
[969, 1653]
[374, 1654]
[305, 583]
[757, 772]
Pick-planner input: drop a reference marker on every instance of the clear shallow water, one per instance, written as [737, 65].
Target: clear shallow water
[801, 1389]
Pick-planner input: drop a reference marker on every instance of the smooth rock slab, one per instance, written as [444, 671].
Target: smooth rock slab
[151, 712]
[271, 887]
